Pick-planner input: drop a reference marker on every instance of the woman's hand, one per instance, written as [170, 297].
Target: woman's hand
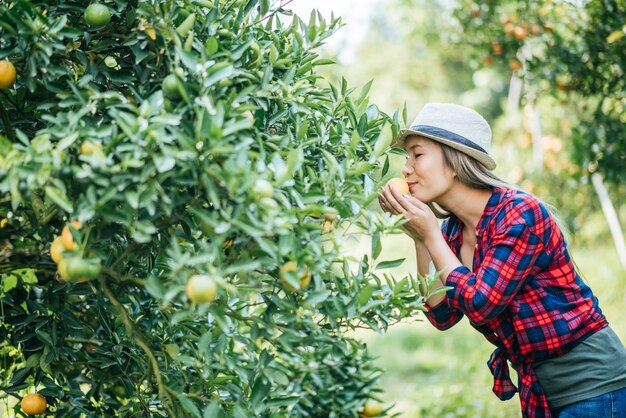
[422, 222]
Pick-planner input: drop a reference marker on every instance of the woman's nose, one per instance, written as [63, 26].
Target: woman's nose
[406, 170]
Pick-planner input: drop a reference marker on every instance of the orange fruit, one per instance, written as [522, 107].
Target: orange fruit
[201, 288]
[91, 148]
[62, 268]
[66, 236]
[34, 404]
[372, 409]
[59, 278]
[56, 250]
[496, 47]
[97, 15]
[78, 269]
[520, 33]
[400, 185]
[515, 65]
[7, 74]
[509, 28]
[170, 87]
[305, 276]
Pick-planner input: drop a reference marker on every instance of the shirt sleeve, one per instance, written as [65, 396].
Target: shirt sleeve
[442, 316]
[509, 261]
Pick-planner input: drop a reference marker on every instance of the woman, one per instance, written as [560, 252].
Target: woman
[508, 270]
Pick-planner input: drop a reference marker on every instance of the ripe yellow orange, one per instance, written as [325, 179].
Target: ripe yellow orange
[400, 185]
[7, 74]
[56, 250]
[520, 33]
[34, 404]
[496, 47]
[201, 288]
[509, 28]
[305, 276]
[372, 409]
[515, 65]
[62, 268]
[66, 236]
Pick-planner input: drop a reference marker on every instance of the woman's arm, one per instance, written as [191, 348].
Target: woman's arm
[511, 258]
[423, 268]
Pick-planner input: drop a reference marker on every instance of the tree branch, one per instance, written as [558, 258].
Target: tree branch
[8, 128]
[135, 334]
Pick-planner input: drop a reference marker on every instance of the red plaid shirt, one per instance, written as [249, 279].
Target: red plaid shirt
[523, 294]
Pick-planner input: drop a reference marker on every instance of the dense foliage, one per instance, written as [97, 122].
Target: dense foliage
[188, 139]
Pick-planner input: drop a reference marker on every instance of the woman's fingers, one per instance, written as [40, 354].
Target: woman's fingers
[407, 202]
[392, 202]
[382, 203]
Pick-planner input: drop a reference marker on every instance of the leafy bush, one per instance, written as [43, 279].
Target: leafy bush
[188, 138]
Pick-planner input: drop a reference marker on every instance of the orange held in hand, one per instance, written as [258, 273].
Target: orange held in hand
[34, 404]
[399, 185]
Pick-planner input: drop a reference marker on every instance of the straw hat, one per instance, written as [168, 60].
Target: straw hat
[458, 127]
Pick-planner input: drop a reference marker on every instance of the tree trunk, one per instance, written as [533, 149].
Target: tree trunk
[611, 217]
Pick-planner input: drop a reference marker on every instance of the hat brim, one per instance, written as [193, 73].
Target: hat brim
[483, 158]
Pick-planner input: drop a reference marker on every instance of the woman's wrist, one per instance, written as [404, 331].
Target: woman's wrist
[431, 240]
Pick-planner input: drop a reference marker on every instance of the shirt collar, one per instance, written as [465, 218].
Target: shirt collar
[497, 196]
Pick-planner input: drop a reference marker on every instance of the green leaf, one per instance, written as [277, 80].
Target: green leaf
[390, 264]
[8, 282]
[213, 410]
[67, 141]
[260, 391]
[186, 25]
[264, 7]
[316, 297]
[365, 294]
[59, 198]
[376, 245]
[382, 143]
[189, 405]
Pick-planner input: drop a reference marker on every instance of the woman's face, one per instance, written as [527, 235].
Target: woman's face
[425, 170]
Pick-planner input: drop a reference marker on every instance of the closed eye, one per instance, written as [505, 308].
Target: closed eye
[417, 155]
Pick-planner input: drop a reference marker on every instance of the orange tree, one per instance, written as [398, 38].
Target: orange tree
[192, 177]
[569, 50]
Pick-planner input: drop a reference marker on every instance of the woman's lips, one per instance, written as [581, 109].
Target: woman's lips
[411, 185]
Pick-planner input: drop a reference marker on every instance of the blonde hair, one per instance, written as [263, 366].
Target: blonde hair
[469, 172]
[473, 174]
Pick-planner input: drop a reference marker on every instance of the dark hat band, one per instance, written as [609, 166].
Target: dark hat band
[445, 134]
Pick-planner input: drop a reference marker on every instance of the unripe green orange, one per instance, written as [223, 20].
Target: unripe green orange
[97, 15]
[201, 288]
